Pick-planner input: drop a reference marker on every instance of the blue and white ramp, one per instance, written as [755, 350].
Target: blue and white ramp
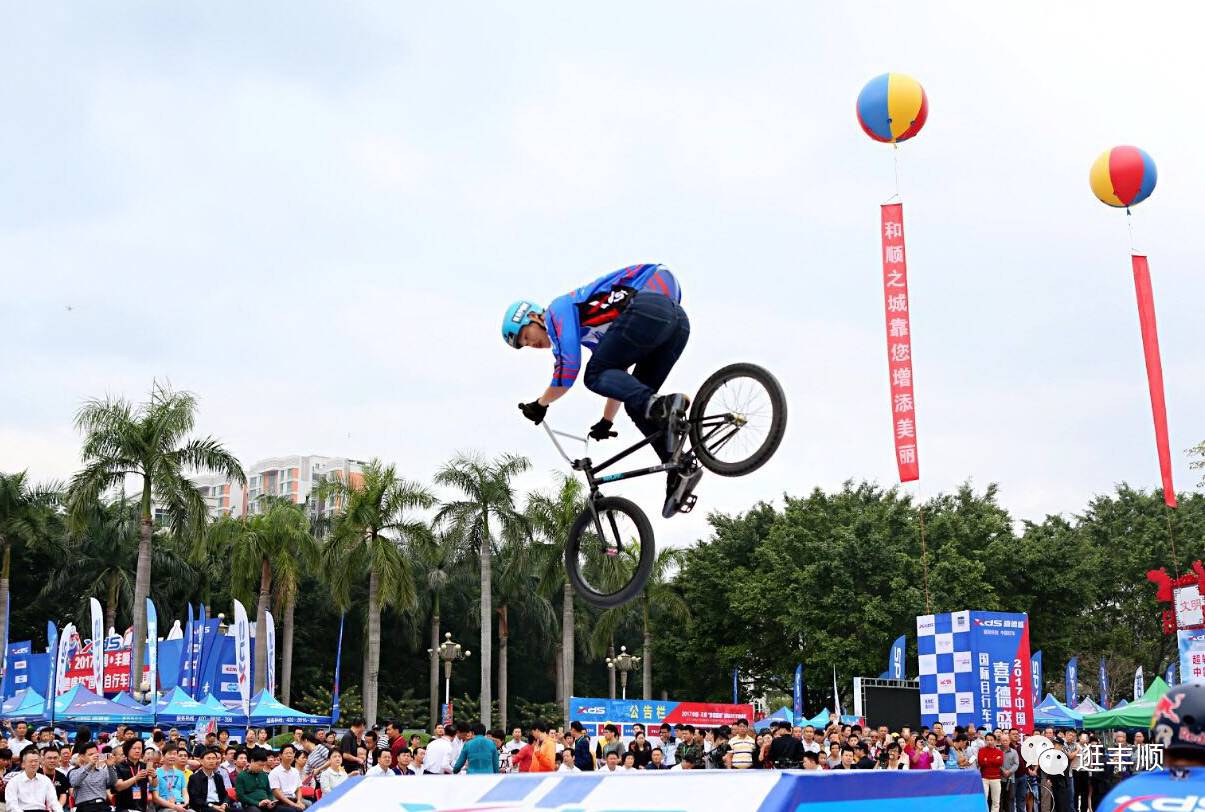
[730, 790]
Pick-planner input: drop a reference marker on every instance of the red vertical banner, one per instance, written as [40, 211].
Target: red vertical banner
[1154, 372]
[899, 342]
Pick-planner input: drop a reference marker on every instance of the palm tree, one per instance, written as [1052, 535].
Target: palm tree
[103, 560]
[660, 599]
[267, 552]
[484, 515]
[147, 441]
[26, 517]
[517, 587]
[550, 518]
[444, 572]
[366, 541]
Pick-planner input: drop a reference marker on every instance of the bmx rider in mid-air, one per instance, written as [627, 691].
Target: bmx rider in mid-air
[631, 319]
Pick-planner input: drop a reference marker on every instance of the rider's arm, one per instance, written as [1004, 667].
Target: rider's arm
[551, 394]
[611, 409]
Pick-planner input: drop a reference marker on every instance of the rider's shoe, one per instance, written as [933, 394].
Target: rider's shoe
[678, 492]
[668, 412]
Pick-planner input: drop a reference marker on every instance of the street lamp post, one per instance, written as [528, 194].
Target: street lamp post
[449, 652]
[623, 663]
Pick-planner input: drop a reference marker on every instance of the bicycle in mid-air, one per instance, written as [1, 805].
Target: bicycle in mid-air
[736, 423]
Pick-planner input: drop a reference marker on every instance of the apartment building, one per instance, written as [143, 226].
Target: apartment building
[295, 477]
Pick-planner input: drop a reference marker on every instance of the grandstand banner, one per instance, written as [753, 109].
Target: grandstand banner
[763, 790]
[975, 667]
[594, 713]
[1192, 654]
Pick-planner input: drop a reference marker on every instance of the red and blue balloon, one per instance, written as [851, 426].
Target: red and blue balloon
[892, 108]
[1123, 176]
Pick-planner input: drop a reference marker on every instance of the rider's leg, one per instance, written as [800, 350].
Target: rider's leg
[650, 334]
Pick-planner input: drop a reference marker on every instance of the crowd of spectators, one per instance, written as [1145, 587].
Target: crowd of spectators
[128, 772]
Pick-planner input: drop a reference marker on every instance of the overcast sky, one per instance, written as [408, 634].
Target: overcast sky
[313, 215]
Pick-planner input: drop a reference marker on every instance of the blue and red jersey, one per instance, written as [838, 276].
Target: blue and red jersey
[581, 317]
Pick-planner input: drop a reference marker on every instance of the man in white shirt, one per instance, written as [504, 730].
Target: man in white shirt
[514, 745]
[29, 789]
[439, 752]
[612, 764]
[567, 765]
[18, 742]
[285, 781]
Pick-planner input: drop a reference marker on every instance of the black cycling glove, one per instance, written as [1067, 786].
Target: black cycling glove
[534, 411]
[602, 430]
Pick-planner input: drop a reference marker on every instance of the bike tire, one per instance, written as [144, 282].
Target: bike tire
[774, 435]
[582, 531]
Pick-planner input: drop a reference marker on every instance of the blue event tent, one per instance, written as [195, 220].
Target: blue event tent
[176, 707]
[1052, 713]
[266, 710]
[783, 714]
[26, 705]
[81, 705]
[127, 701]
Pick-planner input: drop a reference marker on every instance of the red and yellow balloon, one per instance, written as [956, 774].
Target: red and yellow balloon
[892, 107]
[1123, 176]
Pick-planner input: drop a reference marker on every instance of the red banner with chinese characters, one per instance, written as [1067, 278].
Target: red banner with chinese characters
[899, 342]
[1154, 372]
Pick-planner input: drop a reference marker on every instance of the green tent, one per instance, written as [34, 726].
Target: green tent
[1135, 714]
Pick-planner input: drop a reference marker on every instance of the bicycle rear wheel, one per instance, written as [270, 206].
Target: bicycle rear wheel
[609, 552]
[737, 419]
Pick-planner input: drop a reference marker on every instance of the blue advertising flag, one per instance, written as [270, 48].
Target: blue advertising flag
[152, 647]
[797, 706]
[184, 680]
[338, 662]
[52, 648]
[1071, 678]
[736, 686]
[1170, 676]
[896, 666]
[198, 646]
[1139, 684]
[1104, 684]
[210, 663]
[1035, 669]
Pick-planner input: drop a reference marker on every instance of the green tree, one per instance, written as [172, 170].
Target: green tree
[269, 552]
[1198, 463]
[517, 588]
[373, 525]
[102, 560]
[550, 517]
[27, 517]
[149, 442]
[443, 571]
[660, 603]
[482, 517]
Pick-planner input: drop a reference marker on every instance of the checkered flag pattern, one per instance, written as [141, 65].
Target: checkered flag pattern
[947, 679]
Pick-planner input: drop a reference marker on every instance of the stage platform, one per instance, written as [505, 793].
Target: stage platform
[693, 791]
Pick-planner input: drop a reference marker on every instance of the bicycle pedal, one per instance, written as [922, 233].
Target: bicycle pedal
[688, 504]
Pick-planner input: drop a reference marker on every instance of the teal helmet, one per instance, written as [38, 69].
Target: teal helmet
[518, 316]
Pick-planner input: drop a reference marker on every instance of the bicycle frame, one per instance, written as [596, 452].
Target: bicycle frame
[587, 467]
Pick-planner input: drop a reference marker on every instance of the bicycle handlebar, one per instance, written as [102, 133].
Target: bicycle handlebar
[552, 435]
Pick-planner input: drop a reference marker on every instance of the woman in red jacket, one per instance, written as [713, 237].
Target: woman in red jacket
[991, 759]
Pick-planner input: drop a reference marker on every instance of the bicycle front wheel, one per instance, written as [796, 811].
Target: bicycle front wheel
[609, 552]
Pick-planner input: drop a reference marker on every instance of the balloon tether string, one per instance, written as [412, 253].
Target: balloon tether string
[1172, 535]
[924, 550]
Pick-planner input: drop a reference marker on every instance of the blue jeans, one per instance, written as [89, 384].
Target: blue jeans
[650, 334]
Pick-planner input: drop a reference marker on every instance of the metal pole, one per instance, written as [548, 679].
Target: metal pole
[623, 681]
